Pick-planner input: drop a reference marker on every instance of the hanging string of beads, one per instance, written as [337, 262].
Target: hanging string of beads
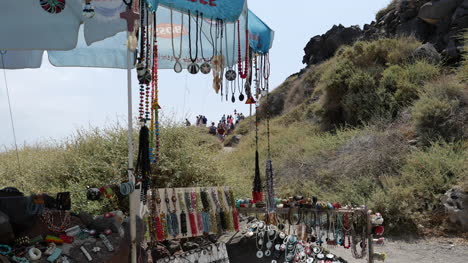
[271, 205]
[243, 69]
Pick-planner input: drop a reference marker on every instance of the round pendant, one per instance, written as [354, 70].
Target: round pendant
[282, 235]
[261, 225]
[330, 256]
[269, 244]
[317, 250]
[241, 97]
[274, 261]
[205, 68]
[259, 254]
[280, 226]
[267, 253]
[233, 99]
[310, 260]
[260, 242]
[230, 75]
[250, 234]
[177, 67]
[283, 247]
[271, 232]
[52, 6]
[277, 247]
[320, 256]
[193, 68]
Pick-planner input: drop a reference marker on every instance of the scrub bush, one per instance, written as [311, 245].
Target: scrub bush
[97, 157]
[442, 111]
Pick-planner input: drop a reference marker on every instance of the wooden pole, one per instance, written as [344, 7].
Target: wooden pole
[370, 237]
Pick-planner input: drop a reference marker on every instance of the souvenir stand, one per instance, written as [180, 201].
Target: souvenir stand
[146, 34]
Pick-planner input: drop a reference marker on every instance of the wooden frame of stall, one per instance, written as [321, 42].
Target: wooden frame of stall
[370, 236]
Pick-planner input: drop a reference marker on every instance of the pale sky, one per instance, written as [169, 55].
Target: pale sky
[51, 103]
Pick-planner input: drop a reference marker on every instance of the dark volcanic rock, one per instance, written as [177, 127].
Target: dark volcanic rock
[323, 47]
[439, 22]
[428, 52]
[436, 10]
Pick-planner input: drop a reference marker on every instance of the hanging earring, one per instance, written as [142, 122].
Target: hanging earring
[88, 10]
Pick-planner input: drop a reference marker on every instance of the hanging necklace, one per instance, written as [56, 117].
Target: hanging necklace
[218, 60]
[205, 68]
[230, 73]
[259, 241]
[193, 223]
[168, 214]
[193, 67]
[183, 216]
[64, 220]
[243, 69]
[174, 221]
[206, 210]
[177, 65]
[196, 202]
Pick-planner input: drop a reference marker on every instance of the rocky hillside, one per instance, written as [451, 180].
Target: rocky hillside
[438, 22]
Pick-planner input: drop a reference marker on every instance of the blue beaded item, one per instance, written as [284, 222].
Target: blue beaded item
[5, 250]
[52, 258]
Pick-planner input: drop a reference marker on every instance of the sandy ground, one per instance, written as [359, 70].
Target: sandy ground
[440, 250]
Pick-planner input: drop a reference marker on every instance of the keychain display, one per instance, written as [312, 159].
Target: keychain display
[191, 212]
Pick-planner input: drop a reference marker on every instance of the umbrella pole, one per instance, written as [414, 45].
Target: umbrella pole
[134, 202]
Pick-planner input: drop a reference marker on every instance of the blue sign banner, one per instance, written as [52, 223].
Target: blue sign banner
[260, 35]
[227, 10]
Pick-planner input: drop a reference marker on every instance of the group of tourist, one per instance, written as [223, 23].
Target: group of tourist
[226, 125]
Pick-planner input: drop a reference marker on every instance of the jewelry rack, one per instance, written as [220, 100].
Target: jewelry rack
[283, 211]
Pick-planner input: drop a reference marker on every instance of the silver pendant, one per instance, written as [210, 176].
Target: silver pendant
[205, 68]
[310, 260]
[259, 254]
[269, 244]
[267, 253]
[193, 68]
[230, 75]
[177, 67]
[260, 242]
[274, 261]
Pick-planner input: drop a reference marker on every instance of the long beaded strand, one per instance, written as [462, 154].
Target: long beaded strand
[199, 209]
[183, 216]
[193, 223]
[175, 222]
[243, 72]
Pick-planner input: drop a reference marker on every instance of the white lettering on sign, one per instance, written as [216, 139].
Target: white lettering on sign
[164, 30]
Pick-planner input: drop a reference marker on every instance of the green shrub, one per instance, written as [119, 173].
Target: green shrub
[441, 112]
[361, 102]
[382, 52]
[403, 83]
[411, 199]
[98, 157]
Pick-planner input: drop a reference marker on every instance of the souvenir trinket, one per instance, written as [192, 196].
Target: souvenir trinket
[52, 6]
[88, 10]
[86, 253]
[34, 253]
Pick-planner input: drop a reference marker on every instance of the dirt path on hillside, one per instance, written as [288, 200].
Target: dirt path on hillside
[440, 250]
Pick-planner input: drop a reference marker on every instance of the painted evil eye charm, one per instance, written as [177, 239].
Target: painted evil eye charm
[193, 68]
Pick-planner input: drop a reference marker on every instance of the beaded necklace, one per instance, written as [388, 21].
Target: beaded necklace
[193, 68]
[227, 216]
[177, 65]
[64, 220]
[175, 222]
[243, 69]
[198, 209]
[168, 214]
[219, 212]
[183, 216]
[193, 223]
[161, 231]
[205, 213]
[355, 240]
